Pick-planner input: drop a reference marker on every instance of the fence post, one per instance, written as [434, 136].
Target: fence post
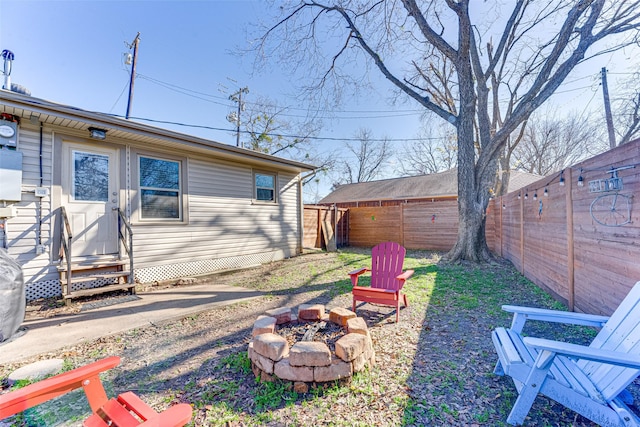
[501, 209]
[522, 234]
[570, 250]
[402, 223]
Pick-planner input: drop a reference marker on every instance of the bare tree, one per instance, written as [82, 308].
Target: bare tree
[435, 151]
[551, 142]
[537, 46]
[367, 159]
[628, 110]
[269, 128]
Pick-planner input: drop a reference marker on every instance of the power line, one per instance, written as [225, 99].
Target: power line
[211, 98]
[318, 138]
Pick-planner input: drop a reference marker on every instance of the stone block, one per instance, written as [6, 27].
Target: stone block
[264, 325]
[263, 363]
[266, 378]
[250, 350]
[284, 370]
[256, 371]
[340, 316]
[272, 346]
[359, 363]
[309, 353]
[300, 387]
[337, 370]
[282, 314]
[368, 347]
[357, 325]
[350, 346]
[311, 311]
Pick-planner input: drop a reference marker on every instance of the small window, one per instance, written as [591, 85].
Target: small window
[90, 177]
[265, 187]
[159, 188]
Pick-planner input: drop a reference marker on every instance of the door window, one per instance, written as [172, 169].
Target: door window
[90, 177]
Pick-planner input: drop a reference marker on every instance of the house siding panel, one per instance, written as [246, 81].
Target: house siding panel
[223, 220]
[24, 233]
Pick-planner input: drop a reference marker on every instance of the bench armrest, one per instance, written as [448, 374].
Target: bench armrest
[359, 271]
[87, 377]
[522, 314]
[583, 352]
[405, 275]
[356, 273]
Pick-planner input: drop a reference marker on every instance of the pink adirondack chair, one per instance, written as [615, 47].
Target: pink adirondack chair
[387, 278]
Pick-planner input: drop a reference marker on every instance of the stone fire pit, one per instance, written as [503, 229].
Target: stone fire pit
[308, 362]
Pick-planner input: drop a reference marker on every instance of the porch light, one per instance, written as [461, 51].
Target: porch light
[561, 178]
[535, 195]
[96, 133]
[546, 192]
[580, 179]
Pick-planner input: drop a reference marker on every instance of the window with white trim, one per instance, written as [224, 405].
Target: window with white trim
[265, 187]
[160, 189]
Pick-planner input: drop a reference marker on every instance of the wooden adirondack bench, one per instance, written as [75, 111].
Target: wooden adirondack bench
[123, 411]
[589, 380]
[387, 278]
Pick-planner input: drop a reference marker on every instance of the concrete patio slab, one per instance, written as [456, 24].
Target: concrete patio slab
[50, 334]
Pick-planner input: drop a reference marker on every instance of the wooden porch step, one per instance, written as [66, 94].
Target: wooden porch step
[93, 265]
[98, 276]
[102, 289]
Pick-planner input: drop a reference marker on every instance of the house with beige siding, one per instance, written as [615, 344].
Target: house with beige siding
[90, 202]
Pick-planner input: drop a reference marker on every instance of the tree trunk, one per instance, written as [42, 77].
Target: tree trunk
[474, 179]
[471, 244]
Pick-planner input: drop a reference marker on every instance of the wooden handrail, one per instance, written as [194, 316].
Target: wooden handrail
[127, 241]
[65, 245]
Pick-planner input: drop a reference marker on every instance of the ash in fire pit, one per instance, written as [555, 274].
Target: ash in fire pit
[324, 332]
[312, 347]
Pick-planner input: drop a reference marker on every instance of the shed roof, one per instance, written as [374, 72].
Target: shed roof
[76, 119]
[436, 185]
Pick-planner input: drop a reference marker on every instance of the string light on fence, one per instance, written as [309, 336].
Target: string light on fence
[580, 179]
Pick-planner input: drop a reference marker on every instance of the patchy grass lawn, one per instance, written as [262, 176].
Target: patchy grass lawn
[433, 368]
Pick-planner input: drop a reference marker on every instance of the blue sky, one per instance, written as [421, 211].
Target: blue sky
[71, 52]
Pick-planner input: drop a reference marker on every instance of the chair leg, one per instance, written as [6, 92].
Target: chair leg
[531, 388]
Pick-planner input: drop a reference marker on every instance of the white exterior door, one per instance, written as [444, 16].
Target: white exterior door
[90, 195]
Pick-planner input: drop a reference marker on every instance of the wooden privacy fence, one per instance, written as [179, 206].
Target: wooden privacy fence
[325, 227]
[564, 241]
[581, 243]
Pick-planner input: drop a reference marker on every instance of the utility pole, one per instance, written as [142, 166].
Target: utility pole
[134, 44]
[235, 117]
[607, 109]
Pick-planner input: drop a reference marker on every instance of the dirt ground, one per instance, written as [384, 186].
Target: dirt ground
[433, 368]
